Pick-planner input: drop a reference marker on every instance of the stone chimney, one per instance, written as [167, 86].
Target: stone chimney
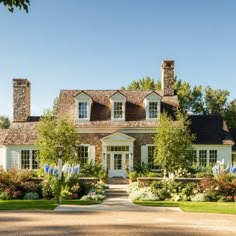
[167, 77]
[21, 100]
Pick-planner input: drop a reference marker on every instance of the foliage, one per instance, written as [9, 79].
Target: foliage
[31, 196]
[133, 175]
[16, 3]
[173, 142]
[103, 175]
[143, 84]
[91, 169]
[200, 197]
[4, 122]
[52, 132]
[66, 194]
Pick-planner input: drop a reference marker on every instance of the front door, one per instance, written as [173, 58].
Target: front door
[118, 165]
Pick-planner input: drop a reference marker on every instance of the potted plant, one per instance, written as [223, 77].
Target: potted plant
[132, 176]
[103, 176]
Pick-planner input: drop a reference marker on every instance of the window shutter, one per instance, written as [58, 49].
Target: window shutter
[15, 160]
[91, 156]
[144, 154]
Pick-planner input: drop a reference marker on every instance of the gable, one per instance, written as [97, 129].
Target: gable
[82, 96]
[118, 137]
[118, 97]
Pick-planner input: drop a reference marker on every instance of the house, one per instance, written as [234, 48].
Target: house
[116, 127]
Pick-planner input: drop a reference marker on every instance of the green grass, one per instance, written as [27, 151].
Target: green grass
[207, 207]
[40, 204]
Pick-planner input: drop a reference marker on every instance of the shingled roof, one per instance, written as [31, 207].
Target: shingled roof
[101, 107]
[210, 129]
[23, 133]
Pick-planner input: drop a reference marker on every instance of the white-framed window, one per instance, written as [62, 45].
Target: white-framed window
[151, 154]
[83, 154]
[153, 109]
[212, 157]
[202, 157]
[194, 156]
[29, 159]
[83, 110]
[118, 102]
[83, 107]
[152, 104]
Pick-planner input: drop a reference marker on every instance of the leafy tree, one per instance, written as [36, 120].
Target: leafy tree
[54, 106]
[173, 142]
[143, 84]
[215, 100]
[230, 114]
[4, 122]
[52, 132]
[16, 3]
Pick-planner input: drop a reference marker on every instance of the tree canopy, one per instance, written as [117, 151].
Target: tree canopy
[51, 132]
[4, 122]
[195, 99]
[173, 142]
[21, 4]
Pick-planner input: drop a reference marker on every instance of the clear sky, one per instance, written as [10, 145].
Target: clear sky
[103, 44]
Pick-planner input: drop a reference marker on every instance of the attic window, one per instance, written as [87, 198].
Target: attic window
[83, 107]
[118, 113]
[152, 104]
[153, 110]
[118, 102]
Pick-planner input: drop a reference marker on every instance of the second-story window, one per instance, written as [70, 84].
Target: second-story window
[83, 110]
[118, 111]
[153, 106]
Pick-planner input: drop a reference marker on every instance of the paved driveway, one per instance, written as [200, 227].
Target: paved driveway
[115, 223]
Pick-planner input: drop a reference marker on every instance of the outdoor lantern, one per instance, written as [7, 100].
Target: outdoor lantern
[60, 150]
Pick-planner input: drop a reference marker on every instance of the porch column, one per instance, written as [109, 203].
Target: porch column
[104, 157]
[131, 157]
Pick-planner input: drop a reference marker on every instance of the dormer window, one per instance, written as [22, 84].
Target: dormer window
[153, 110]
[83, 107]
[118, 102]
[152, 104]
[83, 110]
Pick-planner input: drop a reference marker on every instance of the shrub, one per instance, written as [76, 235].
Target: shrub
[5, 196]
[66, 194]
[31, 196]
[200, 197]
[18, 194]
[133, 175]
[91, 170]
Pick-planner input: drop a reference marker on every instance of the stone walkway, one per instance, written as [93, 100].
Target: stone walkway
[116, 201]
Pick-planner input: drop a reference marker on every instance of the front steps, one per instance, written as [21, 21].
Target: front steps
[118, 181]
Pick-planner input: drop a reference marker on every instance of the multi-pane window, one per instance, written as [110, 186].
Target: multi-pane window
[153, 110]
[117, 161]
[25, 159]
[202, 157]
[151, 152]
[82, 152]
[212, 157]
[118, 112]
[117, 148]
[83, 110]
[194, 156]
[34, 160]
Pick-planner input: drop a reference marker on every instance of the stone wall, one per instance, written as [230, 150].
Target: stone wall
[21, 100]
[167, 78]
[146, 181]
[94, 139]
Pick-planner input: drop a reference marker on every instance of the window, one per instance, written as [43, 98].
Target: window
[194, 156]
[117, 148]
[151, 152]
[25, 159]
[29, 160]
[202, 157]
[212, 157]
[118, 111]
[83, 110]
[117, 161]
[82, 152]
[153, 110]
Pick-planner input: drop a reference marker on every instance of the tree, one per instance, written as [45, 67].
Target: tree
[230, 114]
[16, 3]
[52, 132]
[4, 122]
[173, 142]
[143, 84]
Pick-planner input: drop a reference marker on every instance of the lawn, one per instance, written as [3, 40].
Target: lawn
[207, 207]
[39, 204]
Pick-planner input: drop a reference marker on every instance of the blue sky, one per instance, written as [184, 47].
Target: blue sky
[103, 44]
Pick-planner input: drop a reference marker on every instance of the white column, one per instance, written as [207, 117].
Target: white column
[131, 157]
[104, 156]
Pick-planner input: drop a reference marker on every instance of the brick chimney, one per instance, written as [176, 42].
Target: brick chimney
[21, 100]
[167, 77]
